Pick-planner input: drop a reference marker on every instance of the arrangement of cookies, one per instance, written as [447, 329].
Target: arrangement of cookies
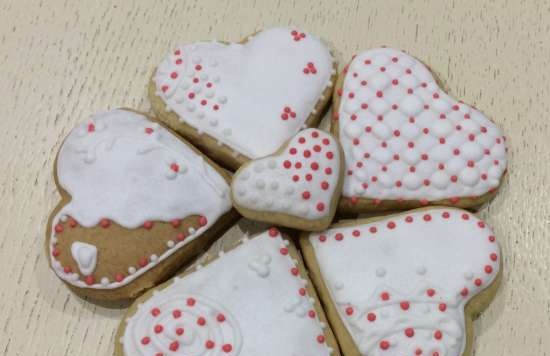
[234, 133]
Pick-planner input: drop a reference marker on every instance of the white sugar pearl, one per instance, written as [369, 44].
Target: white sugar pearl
[170, 244]
[131, 270]
[104, 281]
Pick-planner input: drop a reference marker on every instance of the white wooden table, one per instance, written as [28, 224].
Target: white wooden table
[62, 60]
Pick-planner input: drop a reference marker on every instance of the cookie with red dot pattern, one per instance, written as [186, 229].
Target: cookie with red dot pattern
[405, 284]
[407, 143]
[298, 186]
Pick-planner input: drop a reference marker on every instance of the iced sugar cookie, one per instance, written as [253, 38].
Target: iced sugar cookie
[137, 202]
[406, 284]
[253, 300]
[406, 142]
[239, 101]
[299, 186]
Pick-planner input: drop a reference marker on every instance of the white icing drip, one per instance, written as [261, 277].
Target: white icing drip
[238, 87]
[408, 305]
[85, 256]
[392, 102]
[252, 309]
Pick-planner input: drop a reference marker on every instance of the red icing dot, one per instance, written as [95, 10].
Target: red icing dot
[176, 313]
[180, 331]
[143, 261]
[158, 328]
[320, 207]
[384, 345]
[175, 223]
[477, 282]
[320, 339]
[119, 277]
[488, 269]
[349, 311]
[227, 348]
[391, 225]
[174, 346]
[306, 195]
[464, 292]
[89, 280]
[294, 271]
[273, 232]
[220, 318]
[493, 256]
[445, 215]
[339, 236]
[372, 229]
[145, 340]
[173, 75]
[180, 236]
[322, 238]
[385, 296]
[430, 292]
[438, 335]
[404, 305]
[201, 321]
[287, 164]
[284, 251]
[409, 332]
[371, 317]
[427, 217]
[442, 307]
[191, 301]
[203, 221]
[155, 311]
[148, 225]
[198, 67]
[356, 233]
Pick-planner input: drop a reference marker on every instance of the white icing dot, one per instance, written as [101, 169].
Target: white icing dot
[213, 63]
[170, 244]
[131, 270]
[380, 272]
[222, 99]
[184, 85]
[271, 164]
[226, 132]
[245, 175]
[421, 270]
[468, 275]
[289, 190]
[197, 60]
[204, 76]
[209, 94]
[274, 185]
[191, 107]
[258, 167]
[260, 184]
[200, 114]
[241, 191]
[154, 258]
[216, 78]
[213, 122]
[63, 218]
[191, 230]
[104, 281]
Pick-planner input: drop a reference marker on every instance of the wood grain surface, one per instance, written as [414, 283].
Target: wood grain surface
[62, 60]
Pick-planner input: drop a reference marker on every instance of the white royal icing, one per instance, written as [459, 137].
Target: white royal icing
[299, 181]
[237, 93]
[243, 310]
[85, 256]
[405, 138]
[401, 284]
[122, 167]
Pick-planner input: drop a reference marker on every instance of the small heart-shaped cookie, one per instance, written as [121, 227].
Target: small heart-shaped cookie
[240, 101]
[299, 186]
[406, 142]
[136, 203]
[406, 284]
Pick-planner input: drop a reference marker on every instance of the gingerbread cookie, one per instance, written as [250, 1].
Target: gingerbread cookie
[240, 101]
[405, 284]
[406, 142]
[137, 202]
[253, 300]
[299, 186]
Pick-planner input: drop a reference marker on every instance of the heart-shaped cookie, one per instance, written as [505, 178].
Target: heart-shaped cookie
[240, 101]
[406, 142]
[407, 284]
[299, 186]
[254, 299]
[136, 202]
